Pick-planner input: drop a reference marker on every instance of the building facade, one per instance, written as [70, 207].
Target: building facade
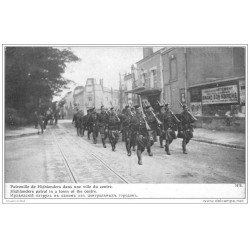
[67, 111]
[210, 80]
[89, 96]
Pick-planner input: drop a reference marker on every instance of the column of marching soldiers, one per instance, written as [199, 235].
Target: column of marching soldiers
[139, 126]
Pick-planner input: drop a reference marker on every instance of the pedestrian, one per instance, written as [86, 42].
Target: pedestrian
[36, 118]
[40, 124]
[186, 121]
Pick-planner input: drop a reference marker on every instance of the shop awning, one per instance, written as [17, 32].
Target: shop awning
[144, 91]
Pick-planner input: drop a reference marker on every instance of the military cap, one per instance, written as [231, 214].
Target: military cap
[184, 106]
[137, 106]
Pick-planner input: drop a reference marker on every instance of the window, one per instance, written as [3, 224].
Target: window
[173, 68]
[144, 79]
[153, 78]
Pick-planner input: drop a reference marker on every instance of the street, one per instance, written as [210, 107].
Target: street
[60, 156]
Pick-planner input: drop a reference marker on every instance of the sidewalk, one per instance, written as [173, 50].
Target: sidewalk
[20, 132]
[228, 139]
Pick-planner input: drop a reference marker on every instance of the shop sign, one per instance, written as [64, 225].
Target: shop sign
[225, 94]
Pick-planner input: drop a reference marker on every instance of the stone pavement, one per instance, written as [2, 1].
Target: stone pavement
[223, 138]
[19, 132]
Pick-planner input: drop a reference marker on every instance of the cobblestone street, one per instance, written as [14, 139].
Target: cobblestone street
[59, 155]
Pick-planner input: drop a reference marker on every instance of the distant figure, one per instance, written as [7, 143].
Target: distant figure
[36, 117]
[40, 121]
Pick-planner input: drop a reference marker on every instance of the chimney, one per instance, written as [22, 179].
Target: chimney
[101, 82]
[147, 51]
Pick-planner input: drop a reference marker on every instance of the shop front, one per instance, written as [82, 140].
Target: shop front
[219, 105]
[152, 95]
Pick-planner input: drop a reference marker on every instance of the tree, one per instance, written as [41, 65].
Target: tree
[33, 75]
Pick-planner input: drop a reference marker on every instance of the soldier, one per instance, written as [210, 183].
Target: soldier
[129, 135]
[103, 123]
[74, 117]
[94, 125]
[78, 122]
[88, 125]
[113, 128]
[143, 139]
[186, 120]
[150, 117]
[161, 132]
[170, 122]
[81, 123]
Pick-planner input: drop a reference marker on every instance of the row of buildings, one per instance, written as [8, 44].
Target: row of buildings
[210, 80]
[92, 94]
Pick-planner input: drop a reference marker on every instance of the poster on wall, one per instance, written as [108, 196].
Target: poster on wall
[225, 94]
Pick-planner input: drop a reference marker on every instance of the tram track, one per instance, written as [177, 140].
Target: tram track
[64, 158]
[91, 153]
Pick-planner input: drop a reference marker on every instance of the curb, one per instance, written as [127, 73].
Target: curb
[218, 143]
[20, 135]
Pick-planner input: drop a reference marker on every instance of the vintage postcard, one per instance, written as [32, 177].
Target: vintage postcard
[124, 124]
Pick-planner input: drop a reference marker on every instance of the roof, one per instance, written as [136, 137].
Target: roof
[142, 90]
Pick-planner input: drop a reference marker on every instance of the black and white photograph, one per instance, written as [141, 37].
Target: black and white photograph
[124, 125]
[168, 117]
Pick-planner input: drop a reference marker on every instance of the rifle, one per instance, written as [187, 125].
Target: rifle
[115, 112]
[188, 112]
[143, 115]
[156, 118]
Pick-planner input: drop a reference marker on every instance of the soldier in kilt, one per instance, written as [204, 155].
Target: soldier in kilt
[129, 134]
[81, 123]
[160, 130]
[87, 122]
[143, 138]
[94, 125]
[186, 127]
[78, 122]
[151, 121]
[113, 128]
[170, 124]
[103, 125]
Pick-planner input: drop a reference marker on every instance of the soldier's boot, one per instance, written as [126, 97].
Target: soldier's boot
[161, 143]
[139, 157]
[103, 143]
[134, 148]
[149, 151]
[94, 140]
[184, 147]
[167, 148]
[128, 149]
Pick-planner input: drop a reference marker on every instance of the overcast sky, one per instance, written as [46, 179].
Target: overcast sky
[102, 62]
